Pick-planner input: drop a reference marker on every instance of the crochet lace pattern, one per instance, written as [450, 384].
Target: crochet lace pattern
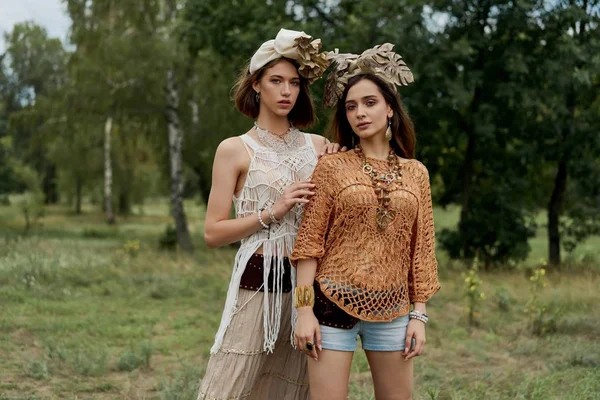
[269, 173]
[373, 275]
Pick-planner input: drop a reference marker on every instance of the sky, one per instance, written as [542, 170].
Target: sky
[51, 14]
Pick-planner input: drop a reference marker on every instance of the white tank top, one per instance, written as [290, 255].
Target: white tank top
[269, 174]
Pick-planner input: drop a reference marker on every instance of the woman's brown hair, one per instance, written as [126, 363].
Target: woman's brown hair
[244, 96]
[403, 131]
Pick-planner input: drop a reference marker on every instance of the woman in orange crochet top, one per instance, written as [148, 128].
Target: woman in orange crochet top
[365, 250]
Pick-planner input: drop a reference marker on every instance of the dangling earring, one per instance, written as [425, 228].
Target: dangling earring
[388, 132]
[257, 97]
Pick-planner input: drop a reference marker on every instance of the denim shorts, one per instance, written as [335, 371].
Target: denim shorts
[374, 336]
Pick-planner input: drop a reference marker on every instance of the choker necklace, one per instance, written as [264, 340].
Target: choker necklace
[383, 185]
[290, 140]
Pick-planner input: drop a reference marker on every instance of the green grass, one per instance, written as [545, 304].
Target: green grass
[86, 315]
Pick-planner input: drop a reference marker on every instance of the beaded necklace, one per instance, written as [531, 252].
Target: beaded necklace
[382, 184]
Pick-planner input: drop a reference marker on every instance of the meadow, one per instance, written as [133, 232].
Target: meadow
[90, 311]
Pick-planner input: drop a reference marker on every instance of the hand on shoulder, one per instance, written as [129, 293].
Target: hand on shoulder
[324, 147]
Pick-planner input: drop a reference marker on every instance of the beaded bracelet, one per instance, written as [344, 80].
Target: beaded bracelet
[418, 316]
[261, 220]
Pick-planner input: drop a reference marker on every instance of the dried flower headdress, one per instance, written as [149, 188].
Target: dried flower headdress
[297, 46]
[380, 60]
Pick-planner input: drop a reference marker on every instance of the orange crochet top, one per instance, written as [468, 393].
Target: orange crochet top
[372, 275]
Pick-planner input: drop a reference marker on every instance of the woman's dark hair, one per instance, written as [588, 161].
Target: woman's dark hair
[403, 131]
[244, 96]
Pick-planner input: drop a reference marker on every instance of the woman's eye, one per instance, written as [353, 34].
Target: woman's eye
[296, 83]
[275, 81]
[350, 107]
[371, 103]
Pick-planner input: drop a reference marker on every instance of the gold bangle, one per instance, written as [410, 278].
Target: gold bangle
[304, 296]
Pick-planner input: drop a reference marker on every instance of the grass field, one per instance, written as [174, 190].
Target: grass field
[89, 311]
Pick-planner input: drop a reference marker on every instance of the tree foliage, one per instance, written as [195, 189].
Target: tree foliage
[506, 101]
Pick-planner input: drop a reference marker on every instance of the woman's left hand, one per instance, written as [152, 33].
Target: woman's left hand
[331, 148]
[416, 330]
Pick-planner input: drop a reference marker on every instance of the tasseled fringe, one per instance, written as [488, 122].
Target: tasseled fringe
[272, 249]
[294, 315]
[273, 301]
[241, 259]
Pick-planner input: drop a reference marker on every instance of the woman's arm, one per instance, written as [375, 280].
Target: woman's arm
[416, 331]
[219, 230]
[310, 246]
[307, 326]
[306, 271]
[423, 277]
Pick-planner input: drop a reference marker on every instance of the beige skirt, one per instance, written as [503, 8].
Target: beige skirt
[243, 370]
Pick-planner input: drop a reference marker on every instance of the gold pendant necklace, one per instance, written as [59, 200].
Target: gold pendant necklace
[382, 184]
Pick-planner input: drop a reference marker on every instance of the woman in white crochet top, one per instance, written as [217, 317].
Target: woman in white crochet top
[266, 172]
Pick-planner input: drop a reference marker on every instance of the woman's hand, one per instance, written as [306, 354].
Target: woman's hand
[292, 195]
[416, 330]
[331, 148]
[307, 331]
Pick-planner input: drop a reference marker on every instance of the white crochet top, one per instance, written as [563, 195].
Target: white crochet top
[269, 173]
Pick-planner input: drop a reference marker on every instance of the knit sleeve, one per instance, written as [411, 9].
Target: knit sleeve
[310, 241]
[423, 277]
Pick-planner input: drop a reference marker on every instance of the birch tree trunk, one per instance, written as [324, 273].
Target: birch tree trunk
[110, 217]
[175, 156]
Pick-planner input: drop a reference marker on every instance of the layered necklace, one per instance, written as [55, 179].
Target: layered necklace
[383, 184]
[290, 140]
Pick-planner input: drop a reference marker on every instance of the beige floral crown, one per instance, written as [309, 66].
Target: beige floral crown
[380, 60]
[297, 46]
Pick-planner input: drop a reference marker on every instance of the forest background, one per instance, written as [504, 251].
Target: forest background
[106, 148]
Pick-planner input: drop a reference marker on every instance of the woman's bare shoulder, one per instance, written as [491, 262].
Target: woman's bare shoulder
[231, 147]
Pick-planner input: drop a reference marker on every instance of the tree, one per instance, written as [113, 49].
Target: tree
[117, 67]
[219, 40]
[472, 94]
[37, 66]
[569, 83]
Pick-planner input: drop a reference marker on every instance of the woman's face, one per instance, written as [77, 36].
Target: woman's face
[367, 110]
[279, 87]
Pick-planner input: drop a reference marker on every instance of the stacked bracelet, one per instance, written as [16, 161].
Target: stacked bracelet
[261, 220]
[418, 316]
[272, 214]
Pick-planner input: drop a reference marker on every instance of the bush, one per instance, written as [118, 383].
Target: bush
[543, 317]
[90, 362]
[495, 230]
[135, 358]
[184, 385]
[37, 370]
[32, 201]
[473, 293]
[168, 240]
[504, 300]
